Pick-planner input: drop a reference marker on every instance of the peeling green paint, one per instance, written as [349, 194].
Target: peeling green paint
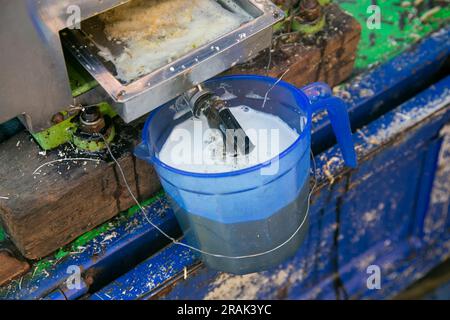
[62, 132]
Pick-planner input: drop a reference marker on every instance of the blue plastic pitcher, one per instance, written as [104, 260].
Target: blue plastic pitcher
[245, 221]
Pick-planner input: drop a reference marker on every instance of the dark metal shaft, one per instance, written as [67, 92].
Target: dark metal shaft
[220, 117]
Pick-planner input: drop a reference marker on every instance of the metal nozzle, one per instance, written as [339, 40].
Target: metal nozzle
[219, 116]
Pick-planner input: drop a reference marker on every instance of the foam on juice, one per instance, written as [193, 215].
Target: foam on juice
[193, 147]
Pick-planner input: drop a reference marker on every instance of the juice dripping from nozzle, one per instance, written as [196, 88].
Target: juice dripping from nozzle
[220, 117]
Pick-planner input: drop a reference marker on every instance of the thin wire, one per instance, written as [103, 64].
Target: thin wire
[81, 107]
[273, 86]
[64, 160]
[269, 64]
[175, 241]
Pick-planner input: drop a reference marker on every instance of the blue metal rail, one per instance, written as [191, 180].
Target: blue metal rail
[373, 93]
[380, 213]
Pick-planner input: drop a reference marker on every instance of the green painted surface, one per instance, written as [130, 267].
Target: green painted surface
[80, 80]
[2, 234]
[308, 28]
[56, 135]
[94, 146]
[394, 37]
[62, 132]
[82, 241]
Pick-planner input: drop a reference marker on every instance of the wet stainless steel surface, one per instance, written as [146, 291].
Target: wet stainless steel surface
[138, 97]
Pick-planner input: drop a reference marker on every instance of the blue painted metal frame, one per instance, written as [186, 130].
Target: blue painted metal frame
[103, 259]
[375, 92]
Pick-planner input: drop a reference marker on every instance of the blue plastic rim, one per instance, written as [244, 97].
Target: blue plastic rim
[310, 99]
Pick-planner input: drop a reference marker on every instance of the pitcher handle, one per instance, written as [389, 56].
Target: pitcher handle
[321, 98]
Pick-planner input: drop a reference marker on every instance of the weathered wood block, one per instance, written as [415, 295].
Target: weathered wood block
[50, 209]
[11, 267]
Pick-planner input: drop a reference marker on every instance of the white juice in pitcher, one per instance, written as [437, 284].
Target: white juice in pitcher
[193, 147]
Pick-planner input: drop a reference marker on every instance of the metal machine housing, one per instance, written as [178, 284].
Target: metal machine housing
[34, 78]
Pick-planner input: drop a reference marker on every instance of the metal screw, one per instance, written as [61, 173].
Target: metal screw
[58, 118]
[91, 120]
[121, 93]
[91, 115]
[310, 10]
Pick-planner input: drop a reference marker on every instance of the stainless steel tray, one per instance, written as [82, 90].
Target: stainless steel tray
[134, 99]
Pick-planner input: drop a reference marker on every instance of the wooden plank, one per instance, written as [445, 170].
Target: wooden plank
[11, 266]
[51, 209]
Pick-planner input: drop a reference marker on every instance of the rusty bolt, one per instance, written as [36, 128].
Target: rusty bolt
[57, 118]
[92, 120]
[121, 94]
[310, 10]
[91, 114]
